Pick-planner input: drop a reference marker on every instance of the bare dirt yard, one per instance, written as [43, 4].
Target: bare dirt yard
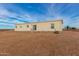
[39, 43]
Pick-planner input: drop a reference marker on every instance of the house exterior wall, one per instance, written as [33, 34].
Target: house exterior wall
[41, 26]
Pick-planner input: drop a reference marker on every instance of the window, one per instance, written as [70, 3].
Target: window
[52, 26]
[16, 26]
[27, 25]
[20, 26]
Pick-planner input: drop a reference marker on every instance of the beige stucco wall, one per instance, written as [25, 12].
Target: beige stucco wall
[41, 26]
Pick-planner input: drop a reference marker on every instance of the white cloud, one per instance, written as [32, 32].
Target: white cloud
[6, 24]
[52, 11]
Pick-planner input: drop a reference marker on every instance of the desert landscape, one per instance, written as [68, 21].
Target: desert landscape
[14, 43]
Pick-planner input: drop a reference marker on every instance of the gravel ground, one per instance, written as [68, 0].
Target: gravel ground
[39, 43]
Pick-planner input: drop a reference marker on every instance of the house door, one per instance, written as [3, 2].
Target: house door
[34, 27]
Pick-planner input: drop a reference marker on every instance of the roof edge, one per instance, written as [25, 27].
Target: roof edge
[41, 22]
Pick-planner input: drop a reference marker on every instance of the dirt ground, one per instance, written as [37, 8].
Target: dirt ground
[39, 43]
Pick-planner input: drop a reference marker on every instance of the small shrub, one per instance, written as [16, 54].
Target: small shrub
[56, 32]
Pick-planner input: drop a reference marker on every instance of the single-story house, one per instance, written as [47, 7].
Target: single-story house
[54, 25]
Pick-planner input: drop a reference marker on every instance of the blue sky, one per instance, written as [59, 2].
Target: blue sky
[10, 14]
